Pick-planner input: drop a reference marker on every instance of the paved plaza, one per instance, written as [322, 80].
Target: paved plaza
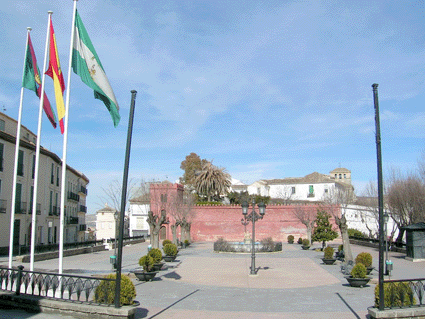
[201, 284]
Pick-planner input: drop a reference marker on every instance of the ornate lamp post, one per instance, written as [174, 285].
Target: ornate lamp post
[253, 217]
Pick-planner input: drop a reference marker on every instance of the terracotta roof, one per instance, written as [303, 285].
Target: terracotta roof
[310, 178]
[340, 170]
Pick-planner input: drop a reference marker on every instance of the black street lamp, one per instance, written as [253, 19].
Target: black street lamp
[253, 217]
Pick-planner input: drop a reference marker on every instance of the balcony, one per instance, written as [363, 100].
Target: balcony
[3, 204]
[83, 190]
[83, 227]
[38, 209]
[55, 211]
[83, 209]
[20, 208]
[73, 196]
[73, 220]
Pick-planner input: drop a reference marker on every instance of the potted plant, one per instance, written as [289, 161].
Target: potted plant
[365, 259]
[186, 243]
[300, 241]
[340, 253]
[166, 241]
[170, 251]
[291, 239]
[147, 273]
[328, 258]
[305, 244]
[358, 277]
[156, 254]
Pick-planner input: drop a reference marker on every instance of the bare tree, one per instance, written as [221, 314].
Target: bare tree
[406, 200]
[307, 216]
[113, 192]
[339, 198]
[183, 214]
[369, 213]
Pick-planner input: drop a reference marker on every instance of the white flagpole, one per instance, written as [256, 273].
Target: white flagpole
[15, 168]
[65, 143]
[37, 153]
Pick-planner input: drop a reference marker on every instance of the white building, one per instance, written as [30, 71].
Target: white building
[107, 220]
[312, 187]
[138, 215]
[48, 194]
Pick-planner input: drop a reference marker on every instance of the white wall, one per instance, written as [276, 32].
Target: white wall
[138, 215]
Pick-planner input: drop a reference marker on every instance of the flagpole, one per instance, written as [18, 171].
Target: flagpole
[15, 168]
[65, 143]
[37, 153]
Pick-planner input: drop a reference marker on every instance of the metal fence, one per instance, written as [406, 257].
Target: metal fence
[404, 293]
[55, 286]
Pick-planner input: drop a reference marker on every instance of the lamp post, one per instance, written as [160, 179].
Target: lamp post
[253, 217]
[116, 227]
[386, 218]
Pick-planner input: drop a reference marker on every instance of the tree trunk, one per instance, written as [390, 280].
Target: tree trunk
[342, 224]
[174, 232]
[155, 223]
[399, 240]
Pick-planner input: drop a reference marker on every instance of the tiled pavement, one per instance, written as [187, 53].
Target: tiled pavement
[202, 284]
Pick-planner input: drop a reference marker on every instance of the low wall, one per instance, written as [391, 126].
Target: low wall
[213, 222]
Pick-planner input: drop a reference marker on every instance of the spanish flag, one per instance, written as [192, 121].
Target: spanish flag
[55, 73]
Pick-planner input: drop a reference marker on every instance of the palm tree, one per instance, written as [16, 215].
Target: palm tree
[212, 181]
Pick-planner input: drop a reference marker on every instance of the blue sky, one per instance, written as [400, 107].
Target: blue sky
[266, 89]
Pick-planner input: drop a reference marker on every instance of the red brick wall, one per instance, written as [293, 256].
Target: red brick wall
[212, 222]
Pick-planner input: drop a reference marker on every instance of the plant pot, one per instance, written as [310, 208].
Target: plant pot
[157, 266]
[169, 258]
[145, 276]
[330, 261]
[357, 282]
[305, 247]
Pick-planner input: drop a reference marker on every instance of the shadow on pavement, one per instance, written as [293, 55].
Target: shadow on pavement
[174, 303]
[348, 306]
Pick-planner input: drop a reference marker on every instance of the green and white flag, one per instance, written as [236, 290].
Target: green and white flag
[87, 65]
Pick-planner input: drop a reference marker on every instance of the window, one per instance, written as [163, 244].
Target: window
[1, 156]
[57, 176]
[51, 203]
[21, 163]
[31, 199]
[310, 191]
[293, 190]
[345, 175]
[340, 176]
[2, 125]
[163, 198]
[52, 178]
[18, 198]
[326, 190]
[33, 166]
[336, 176]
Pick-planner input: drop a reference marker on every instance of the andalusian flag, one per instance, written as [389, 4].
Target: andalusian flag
[55, 73]
[32, 81]
[86, 64]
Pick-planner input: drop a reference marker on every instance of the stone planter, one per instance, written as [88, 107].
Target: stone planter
[305, 247]
[157, 266]
[330, 261]
[357, 282]
[169, 258]
[145, 276]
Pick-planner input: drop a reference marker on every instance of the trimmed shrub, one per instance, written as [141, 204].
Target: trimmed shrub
[328, 252]
[269, 245]
[359, 271]
[306, 242]
[221, 245]
[291, 239]
[166, 241]
[300, 241]
[186, 242]
[170, 249]
[156, 254]
[355, 233]
[365, 259]
[105, 292]
[396, 294]
[146, 262]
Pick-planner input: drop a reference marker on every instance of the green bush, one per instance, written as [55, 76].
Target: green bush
[300, 241]
[186, 242]
[291, 239]
[365, 259]
[170, 249]
[146, 262]
[222, 245]
[340, 248]
[306, 242]
[359, 271]
[355, 233]
[105, 292]
[328, 252]
[156, 254]
[166, 241]
[396, 294]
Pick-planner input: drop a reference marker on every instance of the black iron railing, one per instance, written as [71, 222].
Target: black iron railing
[404, 293]
[51, 285]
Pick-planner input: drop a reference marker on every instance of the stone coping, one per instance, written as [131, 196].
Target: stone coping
[412, 312]
[72, 308]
